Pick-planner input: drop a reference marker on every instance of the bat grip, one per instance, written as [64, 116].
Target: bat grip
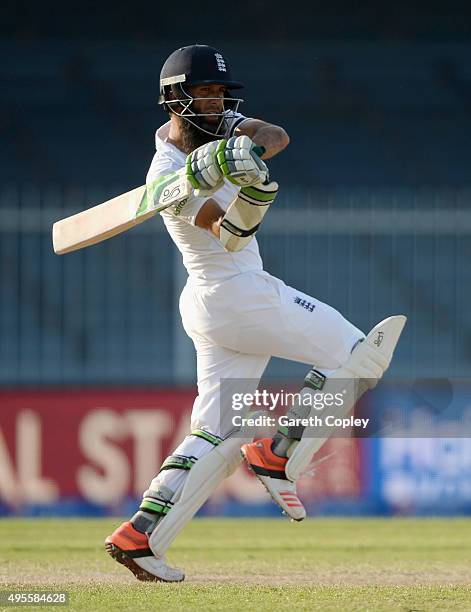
[259, 150]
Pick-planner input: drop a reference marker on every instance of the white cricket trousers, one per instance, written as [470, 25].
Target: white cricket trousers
[238, 324]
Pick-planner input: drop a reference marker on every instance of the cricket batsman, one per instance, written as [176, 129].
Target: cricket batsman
[236, 313]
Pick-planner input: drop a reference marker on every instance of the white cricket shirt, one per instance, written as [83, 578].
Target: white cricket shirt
[204, 257]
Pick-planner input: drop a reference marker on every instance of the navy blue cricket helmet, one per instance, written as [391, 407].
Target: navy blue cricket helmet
[196, 65]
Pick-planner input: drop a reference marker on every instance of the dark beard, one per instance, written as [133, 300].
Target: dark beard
[192, 137]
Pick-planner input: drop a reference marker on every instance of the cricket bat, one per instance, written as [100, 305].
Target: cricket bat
[119, 214]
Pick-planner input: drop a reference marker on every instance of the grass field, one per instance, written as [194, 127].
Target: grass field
[321, 564]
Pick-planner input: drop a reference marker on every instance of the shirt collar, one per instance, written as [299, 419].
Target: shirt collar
[161, 143]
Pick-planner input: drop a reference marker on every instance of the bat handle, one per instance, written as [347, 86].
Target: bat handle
[259, 150]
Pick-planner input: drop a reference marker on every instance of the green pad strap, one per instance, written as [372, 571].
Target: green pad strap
[258, 194]
[178, 462]
[150, 506]
[282, 429]
[201, 433]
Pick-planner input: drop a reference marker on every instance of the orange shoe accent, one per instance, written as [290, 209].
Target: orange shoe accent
[263, 460]
[125, 544]
[128, 539]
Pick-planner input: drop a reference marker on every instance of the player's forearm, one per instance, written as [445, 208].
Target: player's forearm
[216, 227]
[272, 137]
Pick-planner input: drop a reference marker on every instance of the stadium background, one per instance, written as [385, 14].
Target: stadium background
[97, 377]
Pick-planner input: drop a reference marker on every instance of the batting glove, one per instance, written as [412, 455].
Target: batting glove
[203, 171]
[240, 163]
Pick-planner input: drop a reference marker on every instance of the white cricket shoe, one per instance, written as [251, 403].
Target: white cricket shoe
[131, 548]
[270, 470]
[159, 569]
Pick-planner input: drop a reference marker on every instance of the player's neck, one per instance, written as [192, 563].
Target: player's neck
[174, 136]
